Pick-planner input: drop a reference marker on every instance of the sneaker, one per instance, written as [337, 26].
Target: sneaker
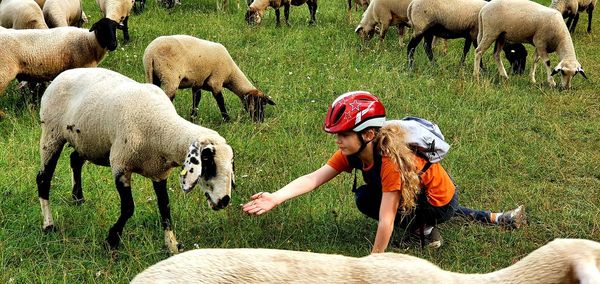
[512, 219]
[434, 239]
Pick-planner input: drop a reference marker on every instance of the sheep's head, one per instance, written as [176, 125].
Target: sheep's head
[517, 56]
[254, 103]
[254, 16]
[106, 33]
[365, 32]
[568, 69]
[211, 166]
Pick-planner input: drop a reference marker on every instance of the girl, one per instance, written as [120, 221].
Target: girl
[402, 189]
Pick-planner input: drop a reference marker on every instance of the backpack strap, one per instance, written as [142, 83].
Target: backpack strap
[427, 165]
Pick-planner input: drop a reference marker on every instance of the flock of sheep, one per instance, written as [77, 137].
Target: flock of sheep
[107, 117]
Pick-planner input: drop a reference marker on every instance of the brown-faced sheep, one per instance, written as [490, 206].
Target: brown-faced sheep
[257, 9]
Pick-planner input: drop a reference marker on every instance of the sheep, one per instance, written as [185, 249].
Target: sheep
[362, 3]
[31, 55]
[112, 120]
[570, 9]
[63, 13]
[182, 61]
[521, 21]
[383, 13]
[21, 14]
[445, 19]
[118, 11]
[559, 261]
[257, 9]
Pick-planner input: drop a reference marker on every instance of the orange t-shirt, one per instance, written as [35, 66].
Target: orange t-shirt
[440, 188]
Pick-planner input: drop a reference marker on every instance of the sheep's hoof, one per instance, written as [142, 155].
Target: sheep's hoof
[78, 201]
[49, 229]
[112, 242]
[226, 118]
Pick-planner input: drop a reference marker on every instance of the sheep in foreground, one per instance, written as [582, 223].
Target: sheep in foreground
[570, 10]
[182, 61]
[31, 55]
[383, 14]
[111, 120]
[257, 8]
[442, 18]
[118, 11]
[559, 261]
[522, 21]
[63, 13]
[21, 14]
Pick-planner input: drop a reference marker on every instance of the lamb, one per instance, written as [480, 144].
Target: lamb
[570, 9]
[257, 9]
[522, 21]
[118, 11]
[559, 261]
[167, 63]
[21, 56]
[108, 119]
[383, 13]
[63, 13]
[21, 14]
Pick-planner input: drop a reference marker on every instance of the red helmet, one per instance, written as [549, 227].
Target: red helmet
[354, 111]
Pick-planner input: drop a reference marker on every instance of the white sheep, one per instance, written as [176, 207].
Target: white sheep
[383, 14]
[111, 120]
[570, 9]
[63, 13]
[443, 18]
[559, 261]
[40, 55]
[523, 21]
[118, 11]
[182, 61]
[257, 8]
[21, 14]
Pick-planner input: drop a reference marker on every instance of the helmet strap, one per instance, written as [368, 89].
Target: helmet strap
[363, 144]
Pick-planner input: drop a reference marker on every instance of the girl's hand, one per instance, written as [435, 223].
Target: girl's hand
[260, 204]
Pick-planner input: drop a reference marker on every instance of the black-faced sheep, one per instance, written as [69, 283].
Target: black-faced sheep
[118, 11]
[63, 13]
[257, 9]
[111, 120]
[21, 14]
[559, 261]
[40, 55]
[522, 21]
[383, 14]
[570, 10]
[182, 61]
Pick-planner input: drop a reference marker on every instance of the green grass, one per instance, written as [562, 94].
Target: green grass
[513, 143]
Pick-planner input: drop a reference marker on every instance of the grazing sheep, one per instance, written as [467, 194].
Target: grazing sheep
[111, 120]
[383, 14]
[63, 13]
[21, 14]
[182, 61]
[118, 11]
[257, 9]
[570, 9]
[63, 48]
[442, 18]
[559, 261]
[522, 21]
[516, 54]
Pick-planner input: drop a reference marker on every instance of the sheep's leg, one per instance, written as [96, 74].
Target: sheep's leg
[590, 11]
[570, 21]
[286, 13]
[497, 49]
[575, 20]
[126, 29]
[410, 49]
[468, 42]
[401, 35]
[383, 31]
[277, 23]
[312, 9]
[196, 97]
[221, 103]
[162, 198]
[483, 44]
[50, 150]
[535, 61]
[544, 56]
[428, 47]
[122, 181]
[76, 166]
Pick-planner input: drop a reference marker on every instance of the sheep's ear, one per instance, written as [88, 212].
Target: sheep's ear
[271, 102]
[555, 71]
[580, 71]
[192, 168]
[358, 29]
[207, 156]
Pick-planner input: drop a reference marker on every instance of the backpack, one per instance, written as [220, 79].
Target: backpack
[424, 137]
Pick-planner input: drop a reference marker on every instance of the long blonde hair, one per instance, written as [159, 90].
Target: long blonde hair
[391, 143]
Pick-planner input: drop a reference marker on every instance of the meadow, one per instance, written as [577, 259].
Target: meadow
[513, 143]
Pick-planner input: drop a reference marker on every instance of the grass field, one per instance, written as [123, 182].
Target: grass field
[513, 143]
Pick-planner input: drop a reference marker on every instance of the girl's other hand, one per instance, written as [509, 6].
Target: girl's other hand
[261, 203]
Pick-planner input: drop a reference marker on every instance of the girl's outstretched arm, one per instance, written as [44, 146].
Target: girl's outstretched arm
[264, 201]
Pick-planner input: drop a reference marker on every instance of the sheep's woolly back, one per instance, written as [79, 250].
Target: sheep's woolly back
[199, 61]
[454, 15]
[391, 12]
[99, 111]
[21, 14]
[115, 10]
[259, 5]
[62, 13]
[560, 261]
[565, 7]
